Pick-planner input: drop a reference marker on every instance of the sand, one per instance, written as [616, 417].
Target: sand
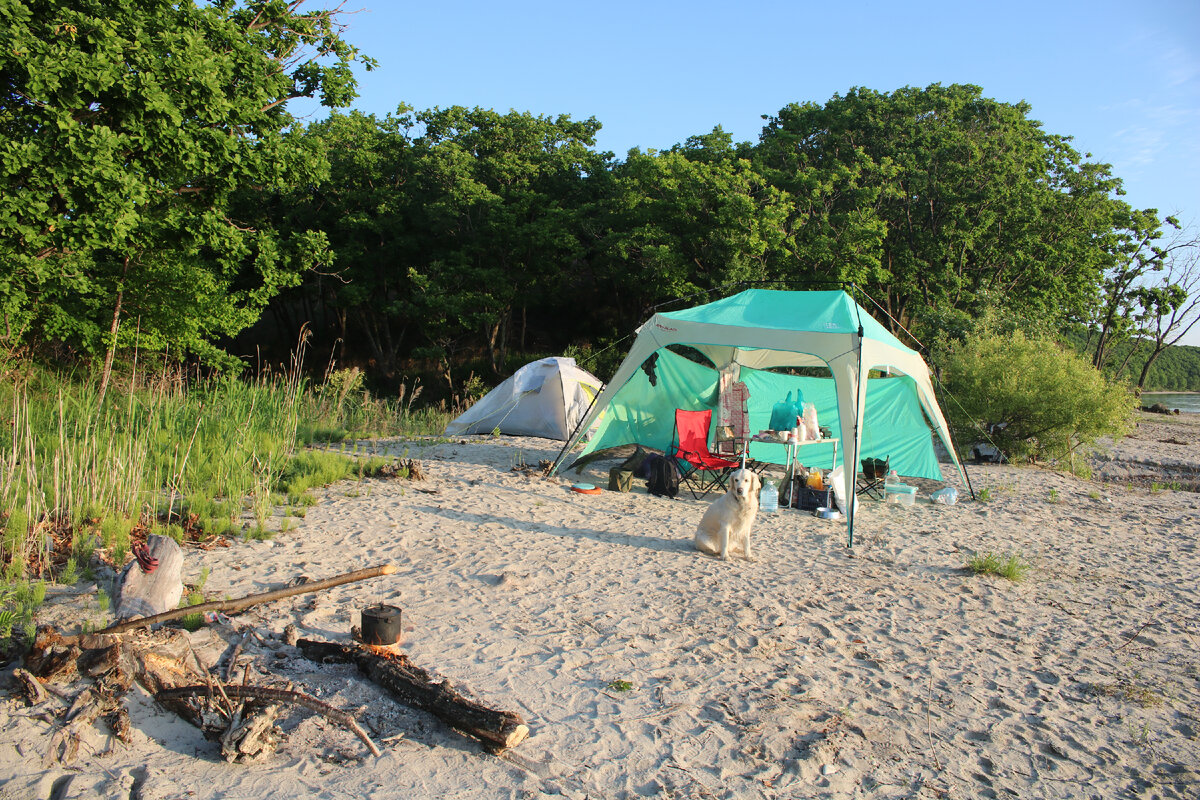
[646, 669]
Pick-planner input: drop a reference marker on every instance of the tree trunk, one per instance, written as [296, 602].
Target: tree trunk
[1141, 384]
[106, 374]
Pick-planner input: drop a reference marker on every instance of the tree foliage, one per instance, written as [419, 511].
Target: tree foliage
[939, 198]
[126, 128]
[155, 189]
[1042, 399]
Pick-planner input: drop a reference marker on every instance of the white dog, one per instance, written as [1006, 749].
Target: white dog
[726, 523]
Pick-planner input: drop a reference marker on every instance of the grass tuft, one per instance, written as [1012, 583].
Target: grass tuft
[989, 563]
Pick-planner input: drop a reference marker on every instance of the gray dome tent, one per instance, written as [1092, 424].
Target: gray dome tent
[547, 398]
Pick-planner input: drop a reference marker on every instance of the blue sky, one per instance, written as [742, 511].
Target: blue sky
[1122, 78]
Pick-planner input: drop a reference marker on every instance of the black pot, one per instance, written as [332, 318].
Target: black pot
[381, 625]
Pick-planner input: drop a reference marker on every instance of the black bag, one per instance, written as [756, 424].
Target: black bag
[664, 478]
[635, 461]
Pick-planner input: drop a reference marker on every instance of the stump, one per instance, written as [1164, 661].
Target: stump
[144, 594]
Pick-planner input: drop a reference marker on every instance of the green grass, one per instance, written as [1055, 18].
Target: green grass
[198, 456]
[1129, 692]
[18, 603]
[1009, 566]
[160, 455]
[192, 622]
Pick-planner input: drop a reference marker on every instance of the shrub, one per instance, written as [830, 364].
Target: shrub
[1051, 402]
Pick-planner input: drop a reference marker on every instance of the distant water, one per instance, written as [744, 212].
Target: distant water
[1182, 401]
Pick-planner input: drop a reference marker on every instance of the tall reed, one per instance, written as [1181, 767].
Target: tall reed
[157, 454]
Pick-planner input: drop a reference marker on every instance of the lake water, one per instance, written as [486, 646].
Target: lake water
[1182, 401]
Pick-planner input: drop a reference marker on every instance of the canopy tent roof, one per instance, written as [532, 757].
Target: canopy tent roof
[763, 329]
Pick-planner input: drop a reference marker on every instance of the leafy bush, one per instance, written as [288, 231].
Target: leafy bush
[1051, 402]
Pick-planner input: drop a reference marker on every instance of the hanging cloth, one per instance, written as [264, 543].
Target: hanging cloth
[732, 410]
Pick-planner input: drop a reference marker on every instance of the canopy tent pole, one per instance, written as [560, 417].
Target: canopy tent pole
[571, 437]
[851, 480]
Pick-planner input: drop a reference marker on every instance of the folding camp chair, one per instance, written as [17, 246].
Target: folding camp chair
[874, 474]
[699, 469]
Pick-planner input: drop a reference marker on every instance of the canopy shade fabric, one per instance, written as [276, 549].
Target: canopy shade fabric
[760, 329]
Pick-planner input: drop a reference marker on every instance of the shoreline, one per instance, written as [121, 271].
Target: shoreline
[815, 670]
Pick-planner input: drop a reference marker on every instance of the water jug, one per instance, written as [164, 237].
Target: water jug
[768, 498]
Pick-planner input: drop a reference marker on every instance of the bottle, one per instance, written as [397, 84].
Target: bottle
[815, 481]
[890, 485]
[946, 496]
[768, 498]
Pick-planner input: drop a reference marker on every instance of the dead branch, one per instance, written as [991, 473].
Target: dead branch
[241, 604]
[276, 696]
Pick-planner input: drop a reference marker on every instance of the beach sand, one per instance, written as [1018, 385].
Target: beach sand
[646, 669]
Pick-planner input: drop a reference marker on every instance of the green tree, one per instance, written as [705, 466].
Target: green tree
[126, 128]
[1171, 308]
[1125, 298]
[496, 199]
[1047, 400]
[366, 207]
[686, 221]
[939, 198]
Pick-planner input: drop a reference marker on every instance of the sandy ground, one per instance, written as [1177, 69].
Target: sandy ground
[646, 669]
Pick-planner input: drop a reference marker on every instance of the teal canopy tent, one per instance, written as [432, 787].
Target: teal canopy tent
[765, 333]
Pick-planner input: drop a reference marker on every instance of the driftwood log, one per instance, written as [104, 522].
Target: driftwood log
[141, 594]
[414, 686]
[241, 604]
[165, 664]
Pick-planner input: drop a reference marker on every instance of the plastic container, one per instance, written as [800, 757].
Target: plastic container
[946, 496]
[900, 493]
[768, 498]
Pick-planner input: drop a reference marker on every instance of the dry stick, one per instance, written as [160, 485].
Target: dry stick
[1136, 634]
[277, 696]
[243, 603]
[928, 725]
[233, 656]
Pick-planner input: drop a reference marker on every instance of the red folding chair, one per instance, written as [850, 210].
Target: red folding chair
[699, 469]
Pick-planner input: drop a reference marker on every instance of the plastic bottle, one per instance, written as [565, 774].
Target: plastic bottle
[890, 483]
[768, 498]
[947, 496]
[815, 481]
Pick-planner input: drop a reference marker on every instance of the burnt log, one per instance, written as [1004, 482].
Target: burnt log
[413, 686]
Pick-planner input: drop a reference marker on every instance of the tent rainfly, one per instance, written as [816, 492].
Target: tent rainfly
[546, 398]
[760, 330]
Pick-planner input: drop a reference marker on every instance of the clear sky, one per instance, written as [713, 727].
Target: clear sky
[1122, 78]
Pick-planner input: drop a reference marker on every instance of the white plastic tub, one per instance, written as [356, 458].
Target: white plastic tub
[901, 493]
